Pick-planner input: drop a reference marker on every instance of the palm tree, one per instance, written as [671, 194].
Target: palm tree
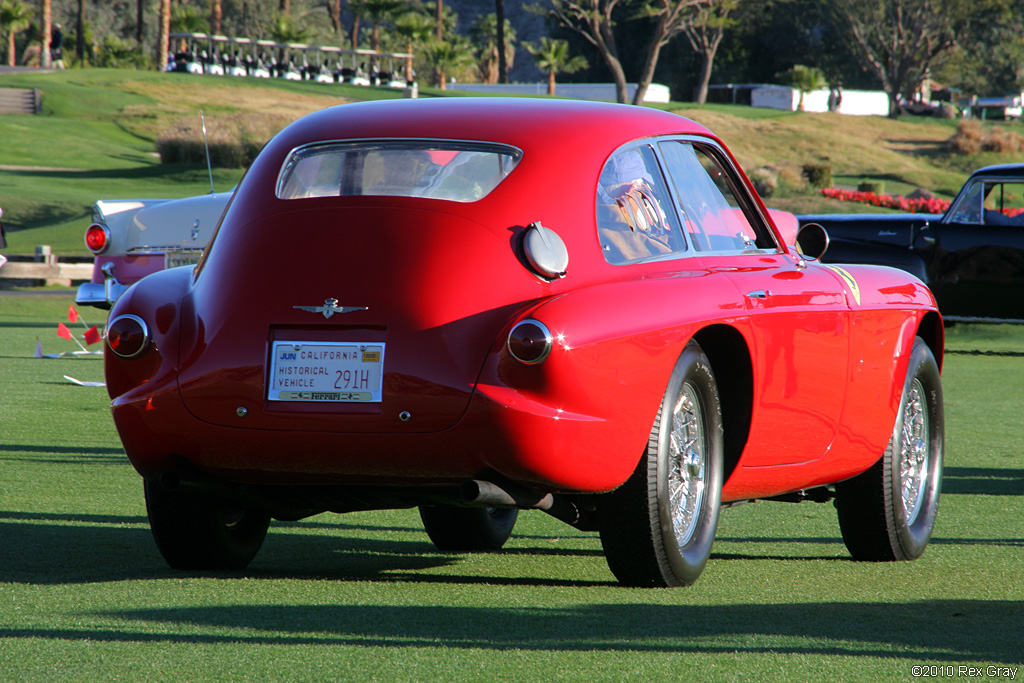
[44, 34]
[804, 78]
[163, 34]
[377, 12]
[15, 16]
[485, 35]
[552, 57]
[447, 57]
[415, 29]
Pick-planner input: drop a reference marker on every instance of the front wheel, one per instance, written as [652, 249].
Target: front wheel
[888, 512]
[658, 527]
[199, 532]
[465, 530]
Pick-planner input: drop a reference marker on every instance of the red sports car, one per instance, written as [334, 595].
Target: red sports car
[479, 306]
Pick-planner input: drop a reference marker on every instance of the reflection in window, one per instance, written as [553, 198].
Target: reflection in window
[460, 172]
[709, 209]
[635, 219]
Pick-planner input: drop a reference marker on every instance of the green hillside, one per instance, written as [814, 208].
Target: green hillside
[95, 139]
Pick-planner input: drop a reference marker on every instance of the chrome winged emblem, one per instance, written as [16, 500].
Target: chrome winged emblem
[330, 307]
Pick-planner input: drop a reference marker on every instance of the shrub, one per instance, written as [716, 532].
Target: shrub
[818, 175]
[873, 186]
[765, 180]
[115, 53]
[234, 139]
[972, 137]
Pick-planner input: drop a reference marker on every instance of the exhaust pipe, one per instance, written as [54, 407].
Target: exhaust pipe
[510, 495]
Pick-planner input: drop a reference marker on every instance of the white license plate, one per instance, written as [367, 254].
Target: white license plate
[188, 257]
[332, 372]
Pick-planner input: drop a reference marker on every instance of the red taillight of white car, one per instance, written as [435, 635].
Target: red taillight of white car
[128, 336]
[97, 238]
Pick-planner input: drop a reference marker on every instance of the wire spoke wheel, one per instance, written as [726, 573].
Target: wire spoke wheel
[658, 527]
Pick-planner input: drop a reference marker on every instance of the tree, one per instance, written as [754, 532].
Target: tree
[595, 20]
[705, 31]
[552, 57]
[216, 16]
[163, 40]
[898, 39]
[502, 39]
[414, 29]
[447, 57]
[670, 17]
[485, 36]
[805, 79]
[80, 33]
[44, 34]
[140, 21]
[378, 12]
[15, 17]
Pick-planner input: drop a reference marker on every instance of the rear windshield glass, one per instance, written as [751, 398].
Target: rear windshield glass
[433, 169]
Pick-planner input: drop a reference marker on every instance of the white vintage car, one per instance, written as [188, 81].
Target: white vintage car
[135, 237]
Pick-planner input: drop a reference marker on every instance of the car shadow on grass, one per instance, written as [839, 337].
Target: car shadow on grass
[915, 631]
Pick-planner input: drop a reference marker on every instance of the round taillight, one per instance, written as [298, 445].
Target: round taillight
[97, 238]
[128, 336]
[530, 342]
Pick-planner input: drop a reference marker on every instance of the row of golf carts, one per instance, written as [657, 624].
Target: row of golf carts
[200, 53]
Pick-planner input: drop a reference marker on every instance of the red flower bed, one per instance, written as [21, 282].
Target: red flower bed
[888, 201]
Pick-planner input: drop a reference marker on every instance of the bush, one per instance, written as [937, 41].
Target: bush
[778, 181]
[818, 176]
[114, 53]
[234, 139]
[764, 180]
[972, 137]
[874, 186]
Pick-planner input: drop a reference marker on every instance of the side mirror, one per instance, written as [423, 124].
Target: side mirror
[812, 241]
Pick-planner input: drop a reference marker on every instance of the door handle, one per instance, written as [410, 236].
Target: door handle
[759, 294]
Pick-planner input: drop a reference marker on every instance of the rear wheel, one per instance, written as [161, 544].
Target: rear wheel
[456, 529]
[658, 527]
[888, 512]
[198, 532]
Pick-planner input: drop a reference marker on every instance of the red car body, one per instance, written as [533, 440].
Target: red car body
[809, 361]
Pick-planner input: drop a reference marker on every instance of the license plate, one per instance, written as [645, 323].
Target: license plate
[188, 257]
[329, 372]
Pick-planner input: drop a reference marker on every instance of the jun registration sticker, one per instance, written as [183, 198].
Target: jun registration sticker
[335, 372]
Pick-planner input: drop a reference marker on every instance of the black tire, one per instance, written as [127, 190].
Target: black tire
[467, 530]
[888, 512]
[203, 533]
[658, 527]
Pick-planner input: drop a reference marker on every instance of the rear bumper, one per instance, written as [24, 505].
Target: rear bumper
[521, 439]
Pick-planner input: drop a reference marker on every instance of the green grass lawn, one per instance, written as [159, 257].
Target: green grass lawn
[85, 596]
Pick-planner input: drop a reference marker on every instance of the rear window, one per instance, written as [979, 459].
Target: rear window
[432, 169]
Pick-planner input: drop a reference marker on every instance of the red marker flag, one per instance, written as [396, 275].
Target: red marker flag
[91, 336]
[72, 314]
[63, 331]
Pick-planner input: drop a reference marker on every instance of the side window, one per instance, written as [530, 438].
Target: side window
[635, 218]
[1004, 203]
[709, 209]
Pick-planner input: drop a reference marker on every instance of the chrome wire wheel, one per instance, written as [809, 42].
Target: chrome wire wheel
[658, 527]
[914, 441]
[887, 512]
[686, 472]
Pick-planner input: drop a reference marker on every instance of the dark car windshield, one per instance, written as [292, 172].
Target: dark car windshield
[433, 169]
